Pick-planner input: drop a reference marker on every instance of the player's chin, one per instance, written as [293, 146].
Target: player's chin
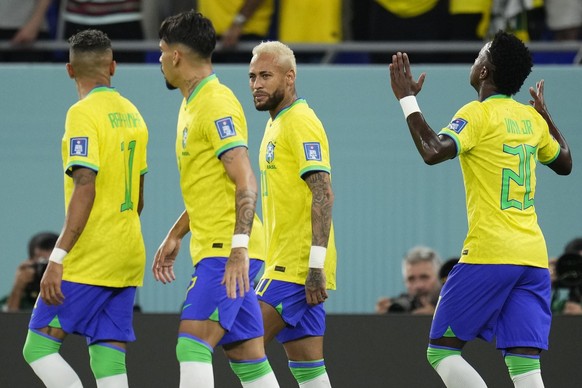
[261, 106]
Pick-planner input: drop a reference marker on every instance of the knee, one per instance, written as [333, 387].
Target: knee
[37, 346]
[106, 360]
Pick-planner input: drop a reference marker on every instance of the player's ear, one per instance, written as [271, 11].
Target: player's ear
[484, 73]
[112, 67]
[290, 77]
[70, 71]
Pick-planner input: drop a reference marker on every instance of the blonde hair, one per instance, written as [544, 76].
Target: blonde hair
[281, 51]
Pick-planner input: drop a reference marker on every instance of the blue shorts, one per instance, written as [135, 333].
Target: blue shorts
[206, 299]
[96, 312]
[290, 301]
[509, 302]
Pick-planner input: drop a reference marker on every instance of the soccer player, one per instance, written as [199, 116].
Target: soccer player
[220, 193]
[501, 286]
[89, 285]
[297, 200]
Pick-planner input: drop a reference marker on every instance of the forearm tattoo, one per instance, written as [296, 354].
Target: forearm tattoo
[321, 206]
[315, 279]
[246, 202]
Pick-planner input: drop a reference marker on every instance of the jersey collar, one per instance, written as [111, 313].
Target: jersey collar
[198, 87]
[287, 108]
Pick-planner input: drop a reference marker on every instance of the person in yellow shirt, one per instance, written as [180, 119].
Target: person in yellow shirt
[501, 286]
[89, 285]
[220, 193]
[408, 20]
[236, 21]
[297, 201]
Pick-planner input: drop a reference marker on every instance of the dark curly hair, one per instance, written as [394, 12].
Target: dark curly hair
[512, 62]
[90, 40]
[191, 29]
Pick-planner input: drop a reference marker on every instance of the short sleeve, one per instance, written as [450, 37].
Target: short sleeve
[80, 141]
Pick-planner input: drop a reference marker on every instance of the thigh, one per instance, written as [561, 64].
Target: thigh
[472, 300]
[526, 316]
[98, 313]
[289, 301]
[248, 323]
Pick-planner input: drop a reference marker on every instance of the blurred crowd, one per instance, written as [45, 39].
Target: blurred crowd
[22, 22]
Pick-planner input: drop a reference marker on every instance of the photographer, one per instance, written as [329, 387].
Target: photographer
[420, 272]
[567, 284]
[29, 273]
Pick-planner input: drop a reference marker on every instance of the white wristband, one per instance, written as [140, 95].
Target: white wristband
[409, 105]
[240, 241]
[317, 256]
[58, 255]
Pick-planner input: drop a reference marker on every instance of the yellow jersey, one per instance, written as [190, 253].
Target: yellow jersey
[222, 13]
[499, 142]
[408, 8]
[211, 122]
[294, 144]
[309, 21]
[106, 133]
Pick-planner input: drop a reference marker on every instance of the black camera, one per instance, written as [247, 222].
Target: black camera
[402, 304]
[33, 288]
[569, 274]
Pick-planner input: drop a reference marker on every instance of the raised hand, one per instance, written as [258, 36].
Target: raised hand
[401, 77]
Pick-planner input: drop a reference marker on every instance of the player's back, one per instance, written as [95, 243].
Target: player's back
[501, 140]
[106, 133]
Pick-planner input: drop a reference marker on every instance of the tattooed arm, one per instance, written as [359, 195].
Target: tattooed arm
[238, 167]
[78, 213]
[321, 205]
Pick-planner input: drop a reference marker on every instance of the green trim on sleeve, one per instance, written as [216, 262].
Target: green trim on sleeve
[68, 169]
[314, 168]
[229, 146]
[554, 158]
[144, 171]
[452, 135]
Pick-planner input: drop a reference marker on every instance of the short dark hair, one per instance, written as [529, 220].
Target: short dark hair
[192, 29]
[512, 62]
[574, 245]
[43, 240]
[90, 41]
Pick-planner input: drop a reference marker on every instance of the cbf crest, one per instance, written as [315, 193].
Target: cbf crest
[270, 155]
[184, 137]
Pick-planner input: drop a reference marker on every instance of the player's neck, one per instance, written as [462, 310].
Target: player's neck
[85, 86]
[194, 77]
[285, 103]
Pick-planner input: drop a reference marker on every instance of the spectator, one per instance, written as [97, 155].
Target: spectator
[234, 21]
[468, 21]
[567, 280]
[525, 19]
[119, 19]
[420, 272]
[308, 21]
[564, 18]
[574, 245]
[408, 20]
[27, 281]
[23, 22]
[446, 269]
